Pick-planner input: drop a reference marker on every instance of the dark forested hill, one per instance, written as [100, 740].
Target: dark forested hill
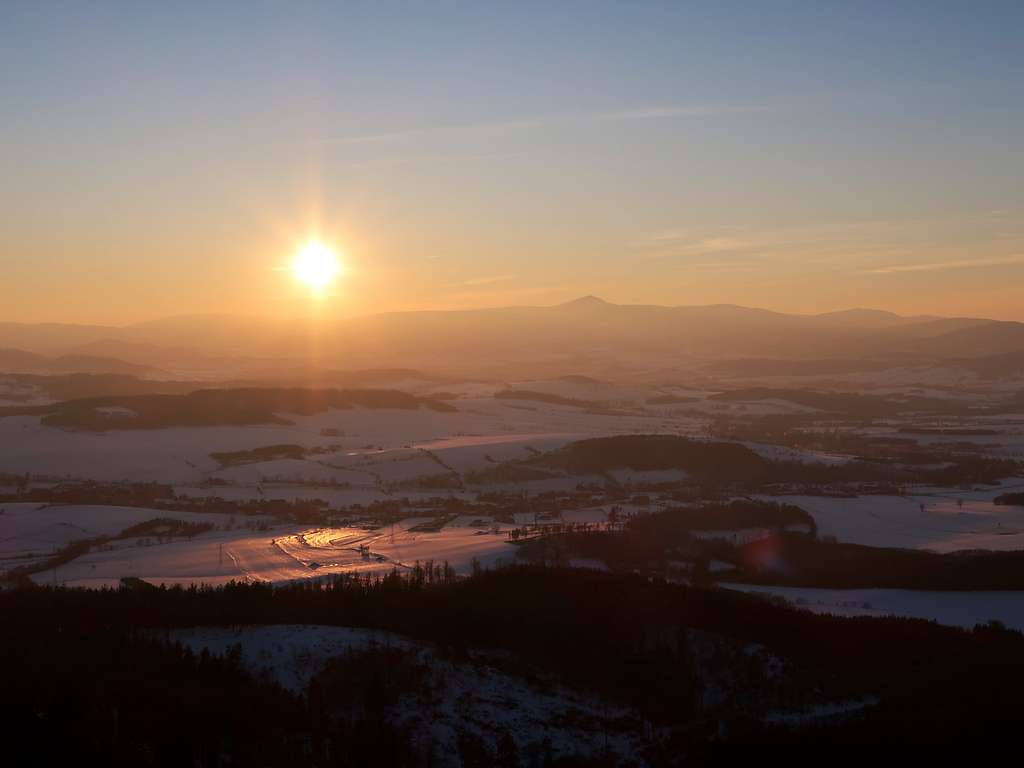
[87, 677]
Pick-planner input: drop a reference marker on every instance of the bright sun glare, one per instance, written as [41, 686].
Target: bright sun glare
[315, 265]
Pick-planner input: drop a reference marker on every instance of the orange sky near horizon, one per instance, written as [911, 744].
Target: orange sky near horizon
[161, 161]
[796, 269]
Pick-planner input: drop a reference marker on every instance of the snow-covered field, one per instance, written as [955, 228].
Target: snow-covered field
[30, 532]
[1008, 442]
[959, 609]
[330, 550]
[379, 439]
[933, 522]
[283, 554]
[364, 456]
[288, 654]
[212, 558]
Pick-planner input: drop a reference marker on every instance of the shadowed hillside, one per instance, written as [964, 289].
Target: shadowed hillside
[213, 407]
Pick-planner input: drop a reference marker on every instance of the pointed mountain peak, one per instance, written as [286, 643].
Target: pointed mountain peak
[587, 301]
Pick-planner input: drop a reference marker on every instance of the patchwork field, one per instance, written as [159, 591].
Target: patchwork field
[940, 522]
[374, 489]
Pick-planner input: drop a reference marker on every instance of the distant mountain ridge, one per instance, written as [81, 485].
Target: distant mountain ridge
[20, 361]
[568, 336]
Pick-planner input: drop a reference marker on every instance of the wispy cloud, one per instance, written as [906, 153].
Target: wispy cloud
[663, 112]
[490, 280]
[715, 244]
[857, 247]
[664, 236]
[939, 266]
[567, 118]
[426, 131]
[680, 243]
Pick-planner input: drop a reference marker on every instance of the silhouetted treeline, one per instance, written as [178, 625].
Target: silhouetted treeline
[256, 455]
[1014, 499]
[655, 452]
[783, 556]
[158, 528]
[729, 464]
[165, 527]
[669, 524]
[647, 543]
[794, 560]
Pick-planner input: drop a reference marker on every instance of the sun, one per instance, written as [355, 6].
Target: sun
[315, 265]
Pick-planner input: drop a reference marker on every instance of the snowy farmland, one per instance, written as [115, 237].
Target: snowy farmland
[940, 523]
[31, 531]
[356, 439]
[282, 554]
[352, 458]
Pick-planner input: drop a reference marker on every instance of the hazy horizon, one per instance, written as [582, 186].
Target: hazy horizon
[588, 298]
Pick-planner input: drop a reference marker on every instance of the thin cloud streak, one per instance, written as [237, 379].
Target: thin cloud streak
[940, 266]
[415, 133]
[657, 113]
[487, 280]
[642, 113]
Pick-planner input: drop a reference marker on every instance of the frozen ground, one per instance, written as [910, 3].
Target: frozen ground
[329, 550]
[287, 553]
[366, 456]
[959, 609]
[1008, 442]
[934, 522]
[30, 532]
[212, 558]
[288, 654]
[481, 428]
